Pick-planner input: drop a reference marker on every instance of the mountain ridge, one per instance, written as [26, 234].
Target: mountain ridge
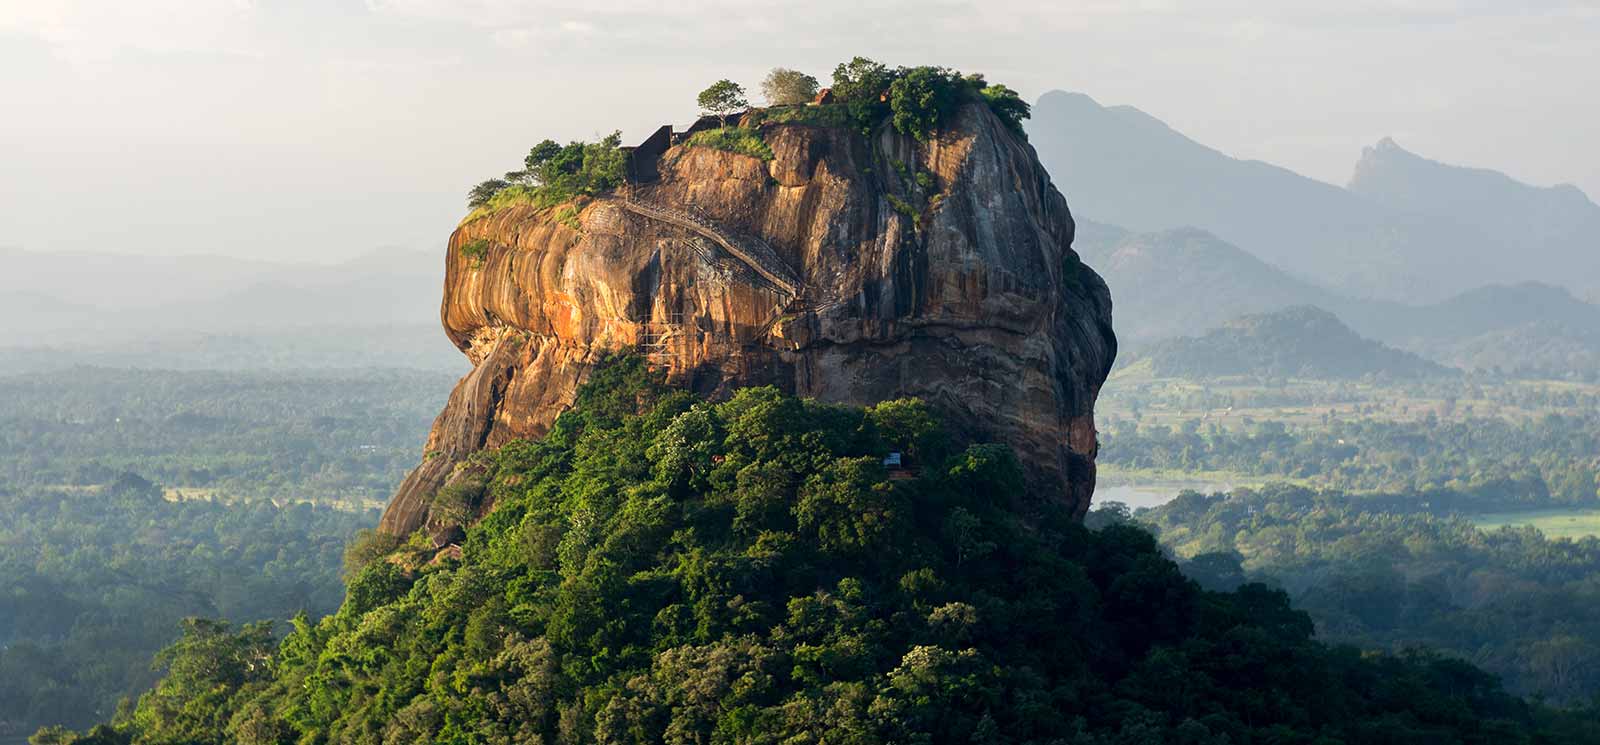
[1126, 167]
[1301, 341]
[1187, 282]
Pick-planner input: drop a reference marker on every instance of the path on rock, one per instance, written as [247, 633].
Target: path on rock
[753, 251]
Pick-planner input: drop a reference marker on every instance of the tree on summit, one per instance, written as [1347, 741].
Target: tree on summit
[722, 98]
[784, 87]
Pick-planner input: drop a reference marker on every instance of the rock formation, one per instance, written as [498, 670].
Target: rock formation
[850, 269]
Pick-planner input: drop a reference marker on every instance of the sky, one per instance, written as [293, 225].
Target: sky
[319, 130]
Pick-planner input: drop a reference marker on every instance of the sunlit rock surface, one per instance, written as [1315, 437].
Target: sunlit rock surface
[847, 269]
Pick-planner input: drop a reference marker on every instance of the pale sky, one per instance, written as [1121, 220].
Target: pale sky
[321, 129]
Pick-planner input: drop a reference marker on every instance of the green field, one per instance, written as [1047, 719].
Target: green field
[1135, 394]
[1572, 524]
[1150, 487]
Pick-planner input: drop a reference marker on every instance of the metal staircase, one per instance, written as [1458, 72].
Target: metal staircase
[753, 251]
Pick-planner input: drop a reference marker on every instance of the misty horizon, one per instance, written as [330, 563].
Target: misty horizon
[321, 131]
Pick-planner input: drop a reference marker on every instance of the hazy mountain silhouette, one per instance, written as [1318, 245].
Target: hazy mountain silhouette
[1526, 329]
[71, 297]
[381, 308]
[1181, 282]
[1301, 342]
[1186, 282]
[1123, 166]
[1547, 232]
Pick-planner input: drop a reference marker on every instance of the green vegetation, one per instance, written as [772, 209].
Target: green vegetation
[553, 174]
[476, 250]
[93, 581]
[1471, 466]
[568, 216]
[829, 115]
[919, 100]
[1006, 104]
[785, 87]
[132, 499]
[330, 437]
[662, 569]
[722, 98]
[903, 207]
[1133, 394]
[922, 98]
[1523, 606]
[1555, 524]
[1394, 539]
[741, 140]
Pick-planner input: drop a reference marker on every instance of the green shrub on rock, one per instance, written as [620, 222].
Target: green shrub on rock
[741, 140]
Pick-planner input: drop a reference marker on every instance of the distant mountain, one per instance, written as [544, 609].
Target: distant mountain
[1527, 329]
[380, 309]
[1300, 342]
[129, 281]
[1123, 166]
[58, 299]
[1491, 308]
[335, 347]
[1547, 232]
[1184, 281]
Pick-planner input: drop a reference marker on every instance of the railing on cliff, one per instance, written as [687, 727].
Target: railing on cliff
[753, 251]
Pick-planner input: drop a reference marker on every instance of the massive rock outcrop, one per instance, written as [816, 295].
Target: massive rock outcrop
[848, 268]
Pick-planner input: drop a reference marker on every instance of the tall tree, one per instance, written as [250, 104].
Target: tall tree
[722, 98]
[784, 87]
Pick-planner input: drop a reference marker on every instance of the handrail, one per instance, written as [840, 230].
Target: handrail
[754, 252]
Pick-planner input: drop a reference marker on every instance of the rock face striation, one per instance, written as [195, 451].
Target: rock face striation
[848, 268]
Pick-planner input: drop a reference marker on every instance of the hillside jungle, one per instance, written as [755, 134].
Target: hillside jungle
[1403, 557]
[665, 569]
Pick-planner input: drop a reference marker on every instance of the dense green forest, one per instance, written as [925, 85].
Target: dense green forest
[331, 436]
[661, 569]
[1472, 465]
[94, 582]
[1512, 601]
[133, 499]
[1134, 395]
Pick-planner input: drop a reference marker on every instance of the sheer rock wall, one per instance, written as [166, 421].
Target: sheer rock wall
[938, 269]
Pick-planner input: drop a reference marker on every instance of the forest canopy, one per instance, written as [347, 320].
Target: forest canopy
[665, 569]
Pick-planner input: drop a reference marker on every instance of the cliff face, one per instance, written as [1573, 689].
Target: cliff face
[847, 269]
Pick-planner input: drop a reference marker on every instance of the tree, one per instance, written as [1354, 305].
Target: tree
[722, 98]
[783, 87]
[210, 662]
[485, 191]
[922, 98]
[541, 154]
[861, 79]
[860, 84]
[1008, 105]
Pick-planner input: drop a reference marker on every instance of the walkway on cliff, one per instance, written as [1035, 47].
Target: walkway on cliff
[753, 251]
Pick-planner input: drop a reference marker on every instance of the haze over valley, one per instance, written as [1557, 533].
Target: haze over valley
[505, 372]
